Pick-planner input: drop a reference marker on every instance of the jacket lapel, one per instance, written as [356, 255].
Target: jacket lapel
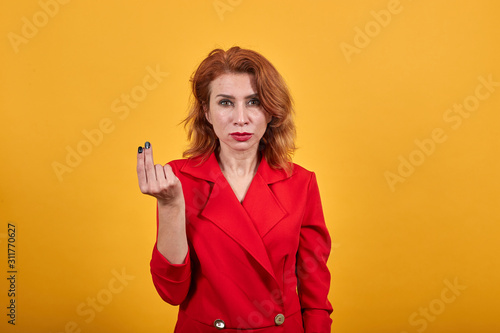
[260, 202]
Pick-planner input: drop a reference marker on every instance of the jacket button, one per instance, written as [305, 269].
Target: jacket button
[219, 324]
[279, 319]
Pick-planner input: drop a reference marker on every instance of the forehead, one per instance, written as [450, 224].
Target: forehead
[234, 84]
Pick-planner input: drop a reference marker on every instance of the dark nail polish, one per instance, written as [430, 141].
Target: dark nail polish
[139, 150]
[147, 145]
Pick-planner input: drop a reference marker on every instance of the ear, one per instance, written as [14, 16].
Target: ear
[269, 118]
[207, 112]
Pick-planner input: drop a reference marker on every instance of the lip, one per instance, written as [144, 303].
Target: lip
[241, 136]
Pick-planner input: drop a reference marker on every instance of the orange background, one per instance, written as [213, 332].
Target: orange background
[393, 114]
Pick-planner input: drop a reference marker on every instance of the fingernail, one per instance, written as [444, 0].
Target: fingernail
[147, 145]
[139, 150]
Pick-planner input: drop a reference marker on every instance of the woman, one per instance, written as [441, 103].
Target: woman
[242, 242]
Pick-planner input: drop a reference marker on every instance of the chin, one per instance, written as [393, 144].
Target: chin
[244, 145]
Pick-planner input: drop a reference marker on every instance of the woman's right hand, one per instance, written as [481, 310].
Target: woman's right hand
[157, 180]
[160, 182]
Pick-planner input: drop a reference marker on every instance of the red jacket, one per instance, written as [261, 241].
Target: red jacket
[259, 264]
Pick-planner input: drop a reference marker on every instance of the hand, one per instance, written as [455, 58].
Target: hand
[157, 180]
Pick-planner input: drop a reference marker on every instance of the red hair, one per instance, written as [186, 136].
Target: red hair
[279, 138]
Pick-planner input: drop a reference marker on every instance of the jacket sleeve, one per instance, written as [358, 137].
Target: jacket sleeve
[171, 281]
[312, 272]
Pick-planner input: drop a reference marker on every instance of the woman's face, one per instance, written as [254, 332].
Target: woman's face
[235, 113]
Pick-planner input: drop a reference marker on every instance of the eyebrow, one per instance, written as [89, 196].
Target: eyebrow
[232, 97]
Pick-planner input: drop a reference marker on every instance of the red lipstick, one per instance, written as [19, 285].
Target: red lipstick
[241, 136]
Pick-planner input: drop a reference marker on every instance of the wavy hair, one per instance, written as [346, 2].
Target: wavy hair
[278, 142]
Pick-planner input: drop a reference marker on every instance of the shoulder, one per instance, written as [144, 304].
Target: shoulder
[189, 162]
[198, 167]
[301, 172]
[298, 169]
[305, 177]
[177, 165]
[273, 175]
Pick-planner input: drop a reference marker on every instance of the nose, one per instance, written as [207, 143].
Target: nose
[240, 115]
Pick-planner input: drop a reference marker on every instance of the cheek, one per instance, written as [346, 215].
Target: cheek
[219, 120]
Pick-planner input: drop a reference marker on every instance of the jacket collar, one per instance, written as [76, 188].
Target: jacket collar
[210, 170]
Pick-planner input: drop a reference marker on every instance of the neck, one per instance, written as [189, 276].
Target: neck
[239, 163]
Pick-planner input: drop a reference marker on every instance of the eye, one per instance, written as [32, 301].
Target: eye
[225, 102]
[254, 101]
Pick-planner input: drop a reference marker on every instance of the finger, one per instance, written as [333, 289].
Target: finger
[169, 174]
[160, 176]
[148, 163]
[141, 172]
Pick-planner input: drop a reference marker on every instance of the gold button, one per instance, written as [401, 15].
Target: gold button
[279, 319]
[219, 324]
